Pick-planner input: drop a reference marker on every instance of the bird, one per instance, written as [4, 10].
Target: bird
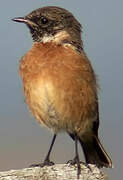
[59, 82]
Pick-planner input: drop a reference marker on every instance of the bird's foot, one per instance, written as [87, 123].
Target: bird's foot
[46, 162]
[73, 162]
[77, 162]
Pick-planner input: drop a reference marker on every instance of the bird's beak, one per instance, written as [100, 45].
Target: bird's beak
[24, 20]
[20, 20]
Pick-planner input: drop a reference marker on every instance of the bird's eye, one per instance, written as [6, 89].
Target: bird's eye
[44, 20]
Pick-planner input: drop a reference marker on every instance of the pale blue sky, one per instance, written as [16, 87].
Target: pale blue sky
[22, 141]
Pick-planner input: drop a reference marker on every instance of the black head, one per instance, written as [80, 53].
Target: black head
[45, 24]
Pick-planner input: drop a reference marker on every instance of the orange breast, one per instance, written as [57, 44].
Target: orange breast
[60, 87]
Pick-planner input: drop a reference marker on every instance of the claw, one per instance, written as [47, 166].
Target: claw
[45, 163]
[76, 161]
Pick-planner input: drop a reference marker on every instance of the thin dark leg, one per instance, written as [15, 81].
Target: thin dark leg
[77, 158]
[47, 161]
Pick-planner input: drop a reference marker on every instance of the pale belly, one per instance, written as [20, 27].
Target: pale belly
[41, 105]
[56, 108]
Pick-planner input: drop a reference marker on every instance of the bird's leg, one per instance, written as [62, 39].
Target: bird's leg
[47, 161]
[76, 159]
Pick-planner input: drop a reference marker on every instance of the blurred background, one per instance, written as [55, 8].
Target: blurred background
[22, 140]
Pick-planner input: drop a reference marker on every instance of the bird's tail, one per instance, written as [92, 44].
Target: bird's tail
[95, 153]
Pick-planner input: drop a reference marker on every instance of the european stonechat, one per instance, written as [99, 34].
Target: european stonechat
[59, 82]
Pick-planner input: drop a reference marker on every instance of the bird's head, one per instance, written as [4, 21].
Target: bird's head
[53, 24]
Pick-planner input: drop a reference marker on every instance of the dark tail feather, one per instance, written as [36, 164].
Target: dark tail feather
[95, 153]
